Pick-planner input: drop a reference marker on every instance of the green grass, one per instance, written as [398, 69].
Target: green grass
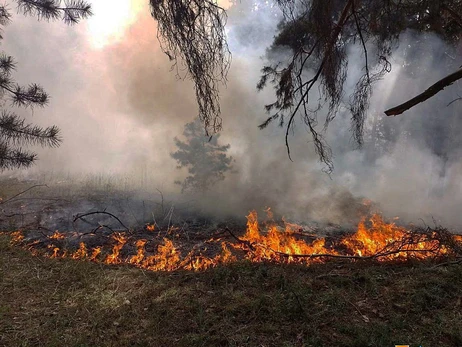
[48, 302]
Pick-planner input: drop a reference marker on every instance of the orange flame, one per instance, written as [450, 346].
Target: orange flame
[81, 253]
[56, 236]
[95, 253]
[114, 257]
[374, 239]
[17, 236]
[138, 258]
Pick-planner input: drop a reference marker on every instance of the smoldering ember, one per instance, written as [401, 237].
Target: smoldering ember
[230, 173]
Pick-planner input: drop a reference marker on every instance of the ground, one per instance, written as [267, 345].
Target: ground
[62, 302]
[67, 302]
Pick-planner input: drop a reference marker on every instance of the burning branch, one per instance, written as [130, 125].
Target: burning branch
[244, 242]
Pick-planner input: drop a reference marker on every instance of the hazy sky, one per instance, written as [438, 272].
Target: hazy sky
[119, 106]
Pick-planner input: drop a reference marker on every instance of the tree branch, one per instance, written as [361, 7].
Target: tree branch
[427, 94]
[79, 216]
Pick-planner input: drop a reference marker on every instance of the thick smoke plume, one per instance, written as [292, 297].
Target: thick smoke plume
[119, 108]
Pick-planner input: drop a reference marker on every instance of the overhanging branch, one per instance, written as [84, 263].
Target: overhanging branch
[427, 94]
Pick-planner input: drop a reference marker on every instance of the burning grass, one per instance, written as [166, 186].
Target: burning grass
[62, 302]
[374, 240]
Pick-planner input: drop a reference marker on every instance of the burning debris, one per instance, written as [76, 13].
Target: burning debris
[374, 239]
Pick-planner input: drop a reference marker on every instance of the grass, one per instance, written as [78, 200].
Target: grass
[61, 302]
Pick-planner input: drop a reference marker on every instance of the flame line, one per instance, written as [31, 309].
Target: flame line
[360, 257]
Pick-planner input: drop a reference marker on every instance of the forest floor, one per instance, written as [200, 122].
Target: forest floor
[63, 302]
[66, 302]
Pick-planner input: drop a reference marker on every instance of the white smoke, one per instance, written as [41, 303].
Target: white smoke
[120, 107]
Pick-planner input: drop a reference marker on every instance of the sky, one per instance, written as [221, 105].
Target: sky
[119, 106]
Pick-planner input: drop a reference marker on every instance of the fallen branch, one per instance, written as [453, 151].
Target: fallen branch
[80, 216]
[427, 94]
[355, 257]
[101, 226]
[377, 255]
[244, 242]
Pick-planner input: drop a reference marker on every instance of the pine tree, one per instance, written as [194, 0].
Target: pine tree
[318, 34]
[15, 133]
[204, 158]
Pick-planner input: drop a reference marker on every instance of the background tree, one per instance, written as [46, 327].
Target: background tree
[318, 34]
[205, 159]
[15, 133]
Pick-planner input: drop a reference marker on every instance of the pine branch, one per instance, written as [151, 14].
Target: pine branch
[11, 158]
[194, 32]
[71, 13]
[5, 15]
[30, 96]
[13, 130]
[7, 64]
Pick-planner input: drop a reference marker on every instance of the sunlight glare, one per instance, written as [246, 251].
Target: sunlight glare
[226, 4]
[110, 20]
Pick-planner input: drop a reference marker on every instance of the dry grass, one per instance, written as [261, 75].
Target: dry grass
[48, 302]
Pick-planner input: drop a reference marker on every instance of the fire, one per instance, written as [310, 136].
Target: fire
[113, 258]
[95, 253]
[81, 253]
[17, 236]
[138, 258]
[374, 239]
[276, 245]
[387, 238]
[57, 236]
[166, 259]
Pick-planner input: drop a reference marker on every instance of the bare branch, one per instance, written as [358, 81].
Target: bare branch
[80, 216]
[427, 94]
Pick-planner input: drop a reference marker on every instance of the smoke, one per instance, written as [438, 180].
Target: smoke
[120, 106]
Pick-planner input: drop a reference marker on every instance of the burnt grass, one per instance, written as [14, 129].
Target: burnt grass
[63, 302]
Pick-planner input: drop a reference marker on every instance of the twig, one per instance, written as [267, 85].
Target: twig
[79, 216]
[133, 213]
[453, 101]
[244, 242]
[162, 199]
[299, 302]
[447, 263]
[14, 196]
[101, 226]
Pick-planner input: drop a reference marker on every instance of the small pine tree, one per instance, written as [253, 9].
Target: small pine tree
[15, 133]
[205, 159]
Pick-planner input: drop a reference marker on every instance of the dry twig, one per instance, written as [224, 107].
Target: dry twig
[80, 216]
